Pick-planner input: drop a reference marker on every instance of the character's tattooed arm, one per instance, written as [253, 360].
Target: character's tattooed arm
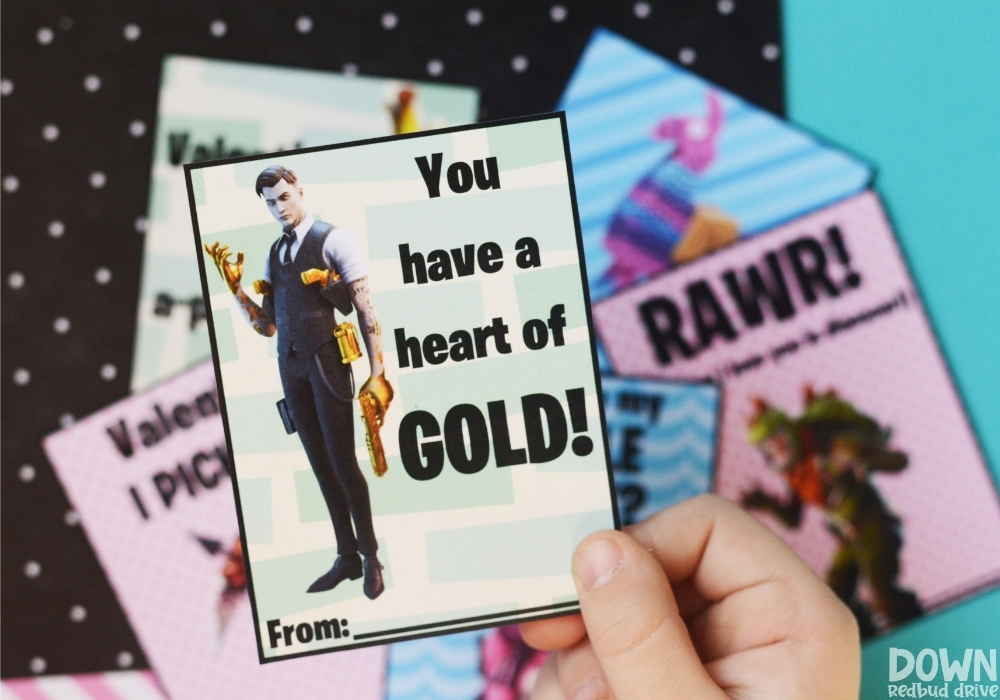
[260, 318]
[368, 320]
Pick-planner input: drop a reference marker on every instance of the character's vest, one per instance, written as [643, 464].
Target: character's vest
[304, 318]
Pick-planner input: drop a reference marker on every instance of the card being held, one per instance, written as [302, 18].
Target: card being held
[448, 491]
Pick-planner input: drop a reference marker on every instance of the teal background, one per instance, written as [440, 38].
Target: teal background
[914, 87]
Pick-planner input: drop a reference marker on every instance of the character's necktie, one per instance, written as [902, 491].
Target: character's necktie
[288, 239]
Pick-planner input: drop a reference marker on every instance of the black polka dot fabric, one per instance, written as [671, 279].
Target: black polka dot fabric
[78, 88]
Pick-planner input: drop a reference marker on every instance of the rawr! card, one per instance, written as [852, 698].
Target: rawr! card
[840, 424]
[407, 373]
[150, 476]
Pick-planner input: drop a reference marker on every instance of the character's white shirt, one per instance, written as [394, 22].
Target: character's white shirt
[341, 252]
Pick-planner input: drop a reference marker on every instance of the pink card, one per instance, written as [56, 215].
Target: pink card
[149, 476]
[880, 485]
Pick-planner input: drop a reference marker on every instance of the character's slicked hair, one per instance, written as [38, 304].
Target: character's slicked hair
[271, 176]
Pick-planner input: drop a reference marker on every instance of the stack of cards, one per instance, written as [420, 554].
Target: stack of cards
[724, 245]
[407, 393]
[163, 521]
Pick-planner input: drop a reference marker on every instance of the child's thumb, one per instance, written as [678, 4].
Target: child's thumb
[638, 636]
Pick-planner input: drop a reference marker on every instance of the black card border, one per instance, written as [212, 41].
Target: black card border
[464, 624]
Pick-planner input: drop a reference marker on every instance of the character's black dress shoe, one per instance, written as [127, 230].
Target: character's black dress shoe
[348, 567]
[374, 585]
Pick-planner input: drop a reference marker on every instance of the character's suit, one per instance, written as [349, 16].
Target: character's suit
[319, 389]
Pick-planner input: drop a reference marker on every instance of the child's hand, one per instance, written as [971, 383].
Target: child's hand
[699, 601]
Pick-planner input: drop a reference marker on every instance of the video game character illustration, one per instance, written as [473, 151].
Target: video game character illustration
[827, 456]
[658, 224]
[314, 270]
[233, 573]
[509, 666]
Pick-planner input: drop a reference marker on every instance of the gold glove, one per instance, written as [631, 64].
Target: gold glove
[263, 287]
[231, 273]
[381, 392]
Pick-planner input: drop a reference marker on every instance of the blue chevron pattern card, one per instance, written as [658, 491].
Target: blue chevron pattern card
[662, 438]
[669, 167]
[438, 668]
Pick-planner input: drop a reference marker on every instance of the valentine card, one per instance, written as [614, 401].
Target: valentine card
[150, 476]
[841, 426]
[408, 380]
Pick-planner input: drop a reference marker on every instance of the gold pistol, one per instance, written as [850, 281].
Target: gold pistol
[372, 438]
[325, 276]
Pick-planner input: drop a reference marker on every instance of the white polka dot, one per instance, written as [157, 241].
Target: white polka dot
[350, 69]
[726, 7]
[519, 64]
[686, 56]
[435, 67]
[770, 52]
[304, 24]
[61, 325]
[32, 569]
[26, 473]
[72, 518]
[137, 128]
[131, 31]
[558, 13]
[91, 83]
[66, 420]
[474, 17]
[6, 86]
[642, 10]
[56, 228]
[98, 179]
[108, 372]
[45, 36]
[78, 613]
[50, 132]
[389, 20]
[141, 224]
[102, 275]
[217, 28]
[15, 280]
[37, 665]
[124, 659]
[11, 183]
[21, 376]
